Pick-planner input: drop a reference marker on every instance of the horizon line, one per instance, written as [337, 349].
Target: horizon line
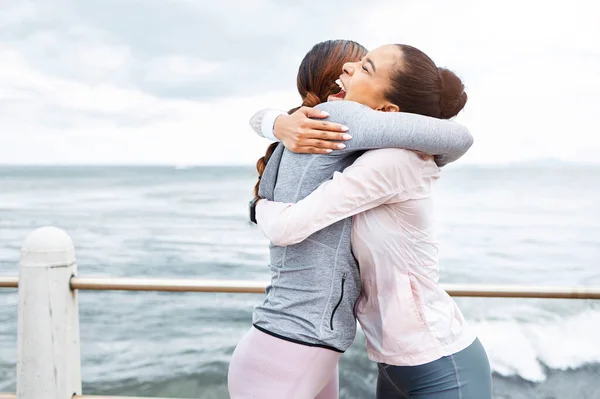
[541, 161]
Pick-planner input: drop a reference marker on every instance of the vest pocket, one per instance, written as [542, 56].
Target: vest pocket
[339, 301]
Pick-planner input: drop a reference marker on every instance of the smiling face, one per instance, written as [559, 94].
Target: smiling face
[367, 80]
[321, 66]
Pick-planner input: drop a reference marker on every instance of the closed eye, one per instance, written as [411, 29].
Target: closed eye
[365, 69]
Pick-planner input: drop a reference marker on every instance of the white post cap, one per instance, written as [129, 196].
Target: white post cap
[48, 247]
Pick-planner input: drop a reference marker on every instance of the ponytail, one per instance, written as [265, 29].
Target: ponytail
[261, 164]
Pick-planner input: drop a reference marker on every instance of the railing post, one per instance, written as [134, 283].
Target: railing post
[48, 353]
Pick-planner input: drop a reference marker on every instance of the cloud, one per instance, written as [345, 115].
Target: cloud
[58, 120]
[175, 82]
[179, 69]
[259, 43]
[530, 69]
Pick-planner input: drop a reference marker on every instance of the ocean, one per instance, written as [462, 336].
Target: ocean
[536, 223]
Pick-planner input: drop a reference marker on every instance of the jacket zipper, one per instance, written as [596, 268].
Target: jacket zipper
[339, 302]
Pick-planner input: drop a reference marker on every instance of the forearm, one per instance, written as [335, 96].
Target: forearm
[371, 129]
[281, 224]
[374, 179]
[287, 224]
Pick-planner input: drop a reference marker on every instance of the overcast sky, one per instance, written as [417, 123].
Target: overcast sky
[149, 81]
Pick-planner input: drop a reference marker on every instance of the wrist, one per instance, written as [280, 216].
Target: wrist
[274, 128]
[268, 124]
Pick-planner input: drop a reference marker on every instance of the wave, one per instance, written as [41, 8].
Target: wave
[530, 350]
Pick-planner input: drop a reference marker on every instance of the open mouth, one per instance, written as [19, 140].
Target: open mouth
[341, 94]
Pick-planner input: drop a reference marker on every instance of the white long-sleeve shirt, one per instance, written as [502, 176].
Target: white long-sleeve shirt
[407, 318]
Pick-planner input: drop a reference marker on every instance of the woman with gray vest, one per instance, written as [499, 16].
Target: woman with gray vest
[307, 318]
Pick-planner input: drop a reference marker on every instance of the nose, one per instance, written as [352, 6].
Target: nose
[348, 68]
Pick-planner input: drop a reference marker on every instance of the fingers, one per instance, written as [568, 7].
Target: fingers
[316, 146]
[324, 135]
[313, 150]
[302, 135]
[323, 144]
[317, 142]
[313, 112]
[319, 125]
[327, 126]
[311, 124]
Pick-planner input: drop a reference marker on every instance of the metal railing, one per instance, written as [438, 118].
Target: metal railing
[48, 272]
[9, 282]
[258, 287]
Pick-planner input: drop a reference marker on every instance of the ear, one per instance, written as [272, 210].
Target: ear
[389, 107]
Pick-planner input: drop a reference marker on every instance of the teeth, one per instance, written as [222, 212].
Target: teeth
[339, 83]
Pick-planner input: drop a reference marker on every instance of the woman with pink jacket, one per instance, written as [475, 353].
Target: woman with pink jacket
[414, 330]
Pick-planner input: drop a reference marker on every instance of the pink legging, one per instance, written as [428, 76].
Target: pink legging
[266, 367]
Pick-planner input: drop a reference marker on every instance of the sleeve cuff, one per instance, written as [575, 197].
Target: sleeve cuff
[268, 123]
[259, 211]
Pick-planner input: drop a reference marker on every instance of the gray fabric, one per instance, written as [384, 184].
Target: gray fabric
[445, 139]
[304, 301]
[464, 375]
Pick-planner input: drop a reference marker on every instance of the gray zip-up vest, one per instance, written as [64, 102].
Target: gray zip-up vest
[315, 284]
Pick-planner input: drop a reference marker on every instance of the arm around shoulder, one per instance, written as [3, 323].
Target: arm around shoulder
[372, 129]
[374, 179]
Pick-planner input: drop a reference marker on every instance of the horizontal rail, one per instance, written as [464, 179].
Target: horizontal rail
[258, 287]
[8, 282]
[516, 291]
[168, 285]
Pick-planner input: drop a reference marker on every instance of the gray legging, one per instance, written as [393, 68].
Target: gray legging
[464, 375]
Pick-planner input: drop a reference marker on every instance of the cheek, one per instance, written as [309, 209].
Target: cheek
[378, 90]
[360, 85]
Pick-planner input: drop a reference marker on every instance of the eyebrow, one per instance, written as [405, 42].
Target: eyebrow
[370, 61]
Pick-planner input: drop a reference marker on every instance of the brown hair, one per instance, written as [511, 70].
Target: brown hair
[317, 74]
[418, 86]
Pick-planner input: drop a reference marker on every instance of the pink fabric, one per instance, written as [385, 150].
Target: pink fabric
[266, 367]
[407, 317]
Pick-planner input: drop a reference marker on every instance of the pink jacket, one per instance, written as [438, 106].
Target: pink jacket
[407, 318]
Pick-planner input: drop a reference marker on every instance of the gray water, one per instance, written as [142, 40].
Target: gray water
[522, 224]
